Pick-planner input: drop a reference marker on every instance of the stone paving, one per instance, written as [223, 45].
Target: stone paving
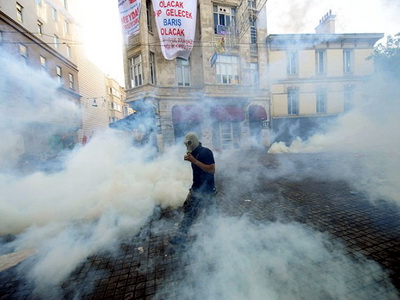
[148, 267]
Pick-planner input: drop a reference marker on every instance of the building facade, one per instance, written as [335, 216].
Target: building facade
[37, 34]
[316, 77]
[117, 108]
[45, 34]
[220, 92]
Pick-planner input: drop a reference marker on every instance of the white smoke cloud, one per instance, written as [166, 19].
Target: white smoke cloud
[364, 142]
[95, 196]
[28, 97]
[107, 191]
[234, 258]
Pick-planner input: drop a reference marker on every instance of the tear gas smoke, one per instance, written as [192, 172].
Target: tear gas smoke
[364, 142]
[234, 258]
[105, 191]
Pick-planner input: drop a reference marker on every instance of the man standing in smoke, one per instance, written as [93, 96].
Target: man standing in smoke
[202, 192]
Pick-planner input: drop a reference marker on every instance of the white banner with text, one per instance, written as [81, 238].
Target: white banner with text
[129, 11]
[176, 24]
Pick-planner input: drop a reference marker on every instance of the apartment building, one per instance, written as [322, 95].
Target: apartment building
[45, 34]
[39, 34]
[117, 108]
[316, 77]
[220, 92]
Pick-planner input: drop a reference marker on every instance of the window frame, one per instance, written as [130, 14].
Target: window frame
[348, 97]
[183, 72]
[320, 62]
[228, 69]
[71, 81]
[43, 62]
[321, 101]
[152, 62]
[228, 19]
[149, 15]
[348, 61]
[59, 74]
[20, 12]
[54, 14]
[40, 27]
[255, 74]
[253, 32]
[136, 71]
[23, 51]
[69, 51]
[66, 27]
[293, 99]
[229, 135]
[56, 40]
[292, 62]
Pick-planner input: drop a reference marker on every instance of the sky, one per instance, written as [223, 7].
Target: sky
[292, 16]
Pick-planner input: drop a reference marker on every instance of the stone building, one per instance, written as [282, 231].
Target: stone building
[220, 92]
[315, 77]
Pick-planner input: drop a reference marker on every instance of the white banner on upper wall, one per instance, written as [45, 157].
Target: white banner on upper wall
[176, 24]
[129, 11]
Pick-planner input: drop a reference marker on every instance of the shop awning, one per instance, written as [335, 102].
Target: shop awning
[257, 113]
[228, 113]
[186, 114]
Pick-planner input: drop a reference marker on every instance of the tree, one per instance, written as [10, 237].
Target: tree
[387, 57]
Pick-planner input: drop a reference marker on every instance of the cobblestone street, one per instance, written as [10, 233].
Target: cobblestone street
[148, 267]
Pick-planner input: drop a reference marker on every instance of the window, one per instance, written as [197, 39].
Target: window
[183, 71]
[149, 15]
[254, 74]
[40, 28]
[152, 68]
[66, 27]
[43, 63]
[292, 62]
[56, 41]
[71, 81]
[227, 69]
[19, 12]
[39, 2]
[53, 14]
[320, 57]
[348, 97]
[293, 101]
[59, 74]
[69, 53]
[252, 4]
[321, 101]
[347, 61]
[224, 17]
[253, 32]
[1, 36]
[114, 92]
[136, 73]
[23, 50]
[228, 135]
[65, 4]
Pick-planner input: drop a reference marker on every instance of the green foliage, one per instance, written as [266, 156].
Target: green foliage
[387, 57]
